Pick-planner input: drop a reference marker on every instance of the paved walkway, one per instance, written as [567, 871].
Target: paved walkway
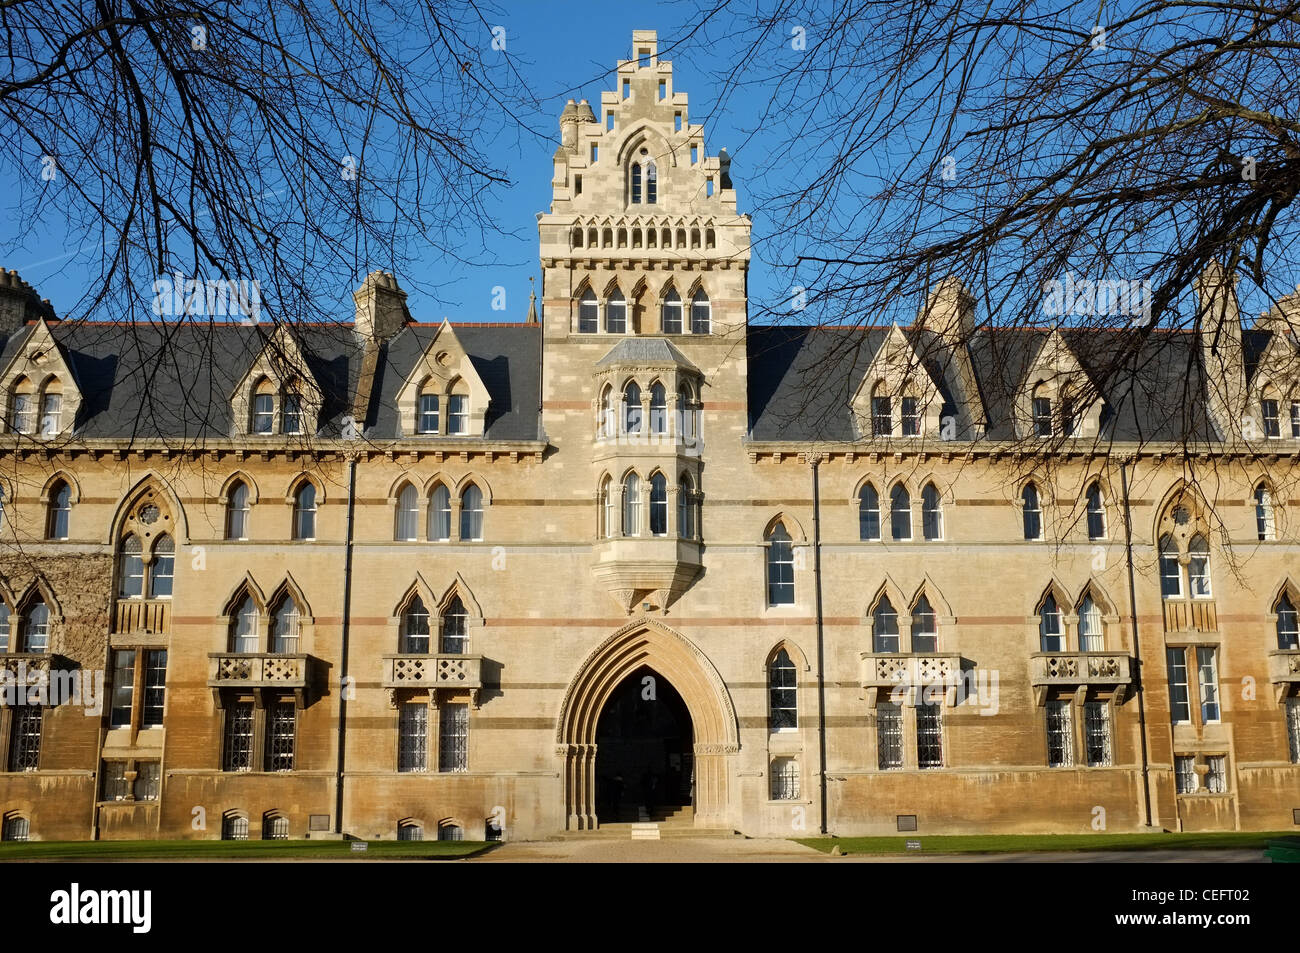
[757, 850]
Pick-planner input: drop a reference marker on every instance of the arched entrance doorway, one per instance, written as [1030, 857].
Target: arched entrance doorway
[645, 751]
[650, 645]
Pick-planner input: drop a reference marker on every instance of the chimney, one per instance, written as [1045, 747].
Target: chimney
[1221, 352]
[381, 307]
[949, 312]
[1283, 318]
[19, 303]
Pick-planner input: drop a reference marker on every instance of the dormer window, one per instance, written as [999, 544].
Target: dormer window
[1272, 426]
[24, 414]
[291, 418]
[911, 417]
[263, 407]
[51, 409]
[458, 413]
[427, 419]
[1042, 411]
[882, 417]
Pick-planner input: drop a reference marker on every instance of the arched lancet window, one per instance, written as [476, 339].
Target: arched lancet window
[1096, 512]
[631, 408]
[783, 693]
[24, 407]
[1031, 511]
[1264, 512]
[780, 567]
[925, 633]
[52, 408]
[60, 511]
[909, 411]
[651, 184]
[458, 408]
[1091, 637]
[455, 628]
[658, 505]
[16, 828]
[701, 314]
[36, 627]
[1198, 567]
[304, 512]
[632, 505]
[672, 312]
[408, 830]
[440, 514]
[588, 313]
[291, 412]
[884, 627]
[414, 638]
[4, 626]
[163, 568]
[606, 425]
[244, 635]
[1171, 574]
[687, 422]
[1041, 409]
[882, 411]
[1288, 625]
[900, 512]
[868, 513]
[234, 827]
[471, 514]
[685, 507]
[608, 525]
[450, 831]
[1268, 406]
[131, 569]
[263, 421]
[284, 626]
[426, 417]
[658, 409]
[1050, 630]
[408, 514]
[237, 511]
[616, 313]
[275, 827]
[931, 513]
[636, 183]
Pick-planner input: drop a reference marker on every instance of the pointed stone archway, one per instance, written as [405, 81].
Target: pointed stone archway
[647, 643]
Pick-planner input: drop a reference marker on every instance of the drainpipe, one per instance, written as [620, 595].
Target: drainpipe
[1137, 644]
[815, 459]
[343, 646]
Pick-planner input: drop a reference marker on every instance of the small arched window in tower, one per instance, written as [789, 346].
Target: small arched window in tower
[658, 505]
[1264, 511]
[1171, 574]
[884, 628]
[440, 514]
[1031, 512]
[60, 512]
[780, 567]
[588, 313]
[408, 514]
[1051, 633]
[672, 312]
[1198, 567]
[685, 507]
[925, 636]
[1096, 512]
[237, 511]
[471, 514]
[868, 512]
[243, 627]
[131, 569]
[636, 183]
[163, 569]
[632, 505]
[304, 512]
[658, 409]
[783, 693]
[616, 313]
[455, 628]
[631, 408]
[284, 626]
[900, 512]
[1288, 625]
[651, 183]
[415, 628]
[1091, 638]
[701, 313]
[931, 512]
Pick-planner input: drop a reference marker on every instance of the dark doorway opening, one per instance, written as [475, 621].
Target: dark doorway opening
[644, 751]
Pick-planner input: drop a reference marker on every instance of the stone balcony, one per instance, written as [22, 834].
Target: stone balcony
[656, 569]
[463, 672]
[255, 671]
[1080, 670]
[895, 670]
[1283, 671]
[142, 615]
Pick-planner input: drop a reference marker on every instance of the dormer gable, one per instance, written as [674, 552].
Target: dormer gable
[41, 395]
[1056, 397]
[443, 394]
[897, 397]
[279, 394]
[1273, 405]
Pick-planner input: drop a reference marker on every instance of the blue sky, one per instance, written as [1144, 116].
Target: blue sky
[564, 50]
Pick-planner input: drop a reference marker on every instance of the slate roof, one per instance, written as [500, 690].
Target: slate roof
[646, 351]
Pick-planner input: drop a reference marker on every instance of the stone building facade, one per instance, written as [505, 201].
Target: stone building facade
[638, 557]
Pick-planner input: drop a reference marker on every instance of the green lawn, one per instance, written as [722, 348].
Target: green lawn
[239, 850]
[1004, 843]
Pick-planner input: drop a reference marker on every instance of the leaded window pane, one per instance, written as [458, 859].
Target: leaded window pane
[783, 702]
[455, 625]
[415, 628]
